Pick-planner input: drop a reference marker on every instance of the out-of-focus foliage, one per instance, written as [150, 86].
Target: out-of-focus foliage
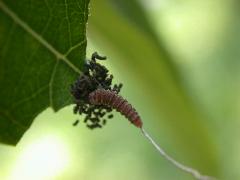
[180, 69]
[158, 82]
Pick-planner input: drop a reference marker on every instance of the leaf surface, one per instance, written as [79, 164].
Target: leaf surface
[42, 49]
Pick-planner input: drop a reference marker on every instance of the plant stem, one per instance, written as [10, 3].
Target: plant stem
[179, 165]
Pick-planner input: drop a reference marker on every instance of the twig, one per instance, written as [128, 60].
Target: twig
[180, 166]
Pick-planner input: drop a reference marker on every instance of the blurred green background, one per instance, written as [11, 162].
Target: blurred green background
[179, 63]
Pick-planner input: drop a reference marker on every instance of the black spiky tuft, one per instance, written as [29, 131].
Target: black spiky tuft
[95, 76]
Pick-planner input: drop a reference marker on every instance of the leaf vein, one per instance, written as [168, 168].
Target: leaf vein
[40, 90]
[38, 37]
[68, 22]
[74, 47]
[25, 69]
[51, 84]
[9, 37]
[14, 121]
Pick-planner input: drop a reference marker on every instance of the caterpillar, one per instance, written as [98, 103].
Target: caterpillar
[112, 99]
[95, 96]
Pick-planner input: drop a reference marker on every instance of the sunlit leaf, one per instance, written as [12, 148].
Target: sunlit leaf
[42, 48]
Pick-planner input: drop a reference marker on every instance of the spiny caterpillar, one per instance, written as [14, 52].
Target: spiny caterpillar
[115, 101]
[95, 96]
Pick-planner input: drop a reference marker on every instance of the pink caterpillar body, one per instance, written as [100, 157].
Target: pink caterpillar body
[115, 101]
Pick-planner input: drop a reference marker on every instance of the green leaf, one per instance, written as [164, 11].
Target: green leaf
[42, 49]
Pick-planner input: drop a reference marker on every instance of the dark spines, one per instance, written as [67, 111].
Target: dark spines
[113, 100]
[117, 88]
[94, 125]
[94, 76]
[76, 123]
[104, 122]
[110, 116]
[95, 56]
